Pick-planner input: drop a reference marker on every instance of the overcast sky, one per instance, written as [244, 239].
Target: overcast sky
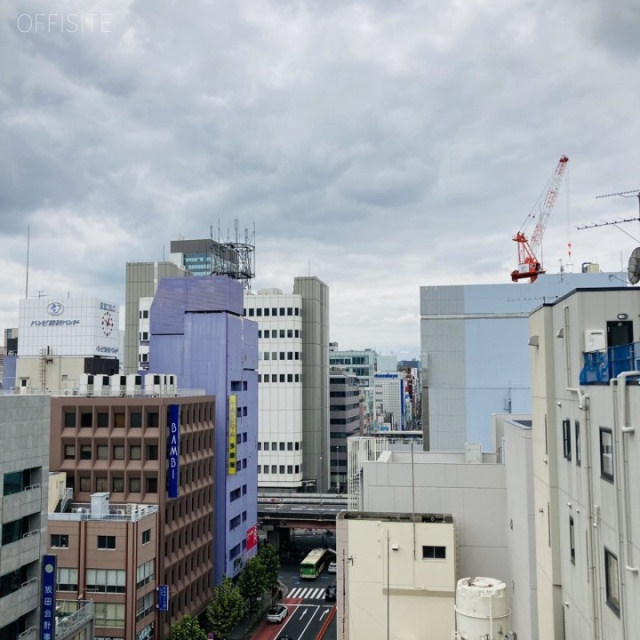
[379, 145]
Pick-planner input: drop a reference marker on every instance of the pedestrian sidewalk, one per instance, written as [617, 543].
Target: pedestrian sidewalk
[252, 621]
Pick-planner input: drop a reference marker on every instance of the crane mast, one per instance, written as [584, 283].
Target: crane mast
[529, 266]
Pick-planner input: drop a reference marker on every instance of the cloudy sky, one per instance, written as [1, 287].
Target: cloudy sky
[380, 145]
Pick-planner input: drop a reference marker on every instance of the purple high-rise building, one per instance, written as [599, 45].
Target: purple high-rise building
[199, 333]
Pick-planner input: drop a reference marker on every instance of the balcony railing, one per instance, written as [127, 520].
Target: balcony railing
[603, 365]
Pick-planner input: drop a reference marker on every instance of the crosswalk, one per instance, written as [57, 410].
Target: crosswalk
[307, 593]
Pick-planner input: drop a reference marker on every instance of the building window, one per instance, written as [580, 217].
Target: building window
[85, 452]
[135, 419]
[234, 523]
[606, 454]
[109, 615]
[102, 451]
[234, 495]
[430, 552]
[152, 452]
[578, 444]
[146, 536]
[67, 579]
[118, 452]
[118, 485]
[146, 606]
[70, 420]
[566, 439]
[103, 419]
[153, 420]
[572, 541]
[86, 420]
[106, 542]
[118, 420]
[145, 573]
[151, 485]
[60, 540]
[289, 468]
[85, 484]
[135, 452]
[106, 580]
[69, 451]
[102, 484]
[611, 581]
[134, 485]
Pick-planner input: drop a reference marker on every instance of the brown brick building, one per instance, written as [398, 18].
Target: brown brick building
[120, 547]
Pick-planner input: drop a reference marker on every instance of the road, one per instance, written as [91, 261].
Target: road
[310, 617]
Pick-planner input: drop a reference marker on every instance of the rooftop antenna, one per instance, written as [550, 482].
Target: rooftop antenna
[26, 286]
[633, 265]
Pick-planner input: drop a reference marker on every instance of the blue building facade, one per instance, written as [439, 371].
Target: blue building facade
[199, 333]
[475, 353]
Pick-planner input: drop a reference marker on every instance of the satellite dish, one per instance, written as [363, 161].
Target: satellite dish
[633, 270]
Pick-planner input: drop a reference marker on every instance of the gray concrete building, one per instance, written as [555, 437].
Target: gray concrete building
[24, 468]
[142, 280]
[315, 374]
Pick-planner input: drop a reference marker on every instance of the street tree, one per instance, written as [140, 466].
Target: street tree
[268, 554]
[252, 581]
[226, 609]
[187, 628]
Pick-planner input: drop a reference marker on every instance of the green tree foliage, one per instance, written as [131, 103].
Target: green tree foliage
[226, 609]
[187, 628]
[252, 580]
[270, 559]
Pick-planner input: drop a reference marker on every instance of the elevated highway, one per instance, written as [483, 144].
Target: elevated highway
[300, 511]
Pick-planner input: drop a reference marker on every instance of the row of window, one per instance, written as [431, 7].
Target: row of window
[236, 493]
[12, 581]
[275, 469]
[278, 446]
[188, 503]
[16, 529]
[274, 377]
[344, 394]
[278, 333]
[352, 360]
[200, 528]
[61, 540]
[102, 419]
[281, 355]
[343, 407]
[272, 311]
[117, 484]
[101, 452]
[354, 418]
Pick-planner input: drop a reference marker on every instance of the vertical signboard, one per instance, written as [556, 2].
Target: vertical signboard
[163, 597]
[403, 408]
[48, 598]
[252, 537]
[233, 434]
[174, 450]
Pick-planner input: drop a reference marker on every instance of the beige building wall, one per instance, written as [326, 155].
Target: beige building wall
[389, 586]
[50, 373]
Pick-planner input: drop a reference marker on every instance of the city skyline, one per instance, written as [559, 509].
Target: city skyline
[379, 147]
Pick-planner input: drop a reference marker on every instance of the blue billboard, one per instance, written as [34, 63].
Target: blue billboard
[163, 597]
[48, 598]
[174, 451]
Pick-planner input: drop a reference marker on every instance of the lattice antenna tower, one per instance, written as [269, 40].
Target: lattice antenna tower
[234, 256]
[634, 193]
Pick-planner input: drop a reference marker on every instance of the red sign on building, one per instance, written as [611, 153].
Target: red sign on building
[252, 537]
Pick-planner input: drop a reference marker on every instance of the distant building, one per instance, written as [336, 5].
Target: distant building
[475, 356]
[390, 396]
[388, 362]
[24, 467]
[199, 332]
[62, 338]
[345, 411]
[142, 280]
[293, 384]
[586, 411]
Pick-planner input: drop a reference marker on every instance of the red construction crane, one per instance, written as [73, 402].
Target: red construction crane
[528, 264]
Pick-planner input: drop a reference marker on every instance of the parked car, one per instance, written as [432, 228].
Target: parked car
[330, 593]
[332, 568]
[277, 613]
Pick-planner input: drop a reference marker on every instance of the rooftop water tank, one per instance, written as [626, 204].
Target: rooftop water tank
[482, 609]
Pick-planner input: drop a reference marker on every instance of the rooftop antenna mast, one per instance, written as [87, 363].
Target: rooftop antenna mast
[633, 265]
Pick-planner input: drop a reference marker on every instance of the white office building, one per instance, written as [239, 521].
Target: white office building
[586, 464]
[293, 385]
[390, 400]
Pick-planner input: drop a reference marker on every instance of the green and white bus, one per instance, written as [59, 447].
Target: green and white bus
[311, 567]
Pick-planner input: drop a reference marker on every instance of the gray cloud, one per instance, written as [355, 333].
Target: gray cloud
[387, 144]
